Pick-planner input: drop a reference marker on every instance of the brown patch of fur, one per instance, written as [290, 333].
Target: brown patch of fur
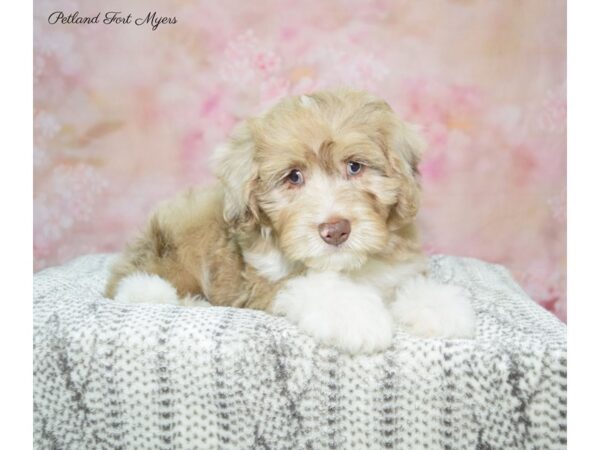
[187, 243]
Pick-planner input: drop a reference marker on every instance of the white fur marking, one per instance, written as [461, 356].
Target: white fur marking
[306, 101]
[271, 264]
[430, 309]
[146, 288]
[205, 278]
[336, 311]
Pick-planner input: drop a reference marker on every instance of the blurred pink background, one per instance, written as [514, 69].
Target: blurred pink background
[125, 116]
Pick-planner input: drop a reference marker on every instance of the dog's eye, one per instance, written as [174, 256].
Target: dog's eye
[353, 167]
[295, 177]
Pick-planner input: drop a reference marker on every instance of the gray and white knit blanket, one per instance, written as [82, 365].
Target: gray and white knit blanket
[119, 376]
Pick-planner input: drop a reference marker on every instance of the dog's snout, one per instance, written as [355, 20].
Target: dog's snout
[335, 232]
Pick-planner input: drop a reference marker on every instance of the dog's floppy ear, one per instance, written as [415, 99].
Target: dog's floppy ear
[235, 167]
[406, 147]
[408, 143]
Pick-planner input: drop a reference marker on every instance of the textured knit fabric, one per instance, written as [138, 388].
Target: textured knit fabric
[110, 376]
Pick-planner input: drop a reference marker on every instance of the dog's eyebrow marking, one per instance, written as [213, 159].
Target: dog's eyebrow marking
[309, 156]
[326, 155]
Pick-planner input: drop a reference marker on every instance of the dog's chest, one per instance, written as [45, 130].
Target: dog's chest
[270, 264]
[386, 276]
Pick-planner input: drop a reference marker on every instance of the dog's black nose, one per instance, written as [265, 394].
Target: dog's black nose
[335, 232]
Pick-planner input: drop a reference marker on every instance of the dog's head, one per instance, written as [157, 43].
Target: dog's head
[329, 176]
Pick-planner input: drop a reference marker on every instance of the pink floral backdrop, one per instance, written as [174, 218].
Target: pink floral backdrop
[125, 116]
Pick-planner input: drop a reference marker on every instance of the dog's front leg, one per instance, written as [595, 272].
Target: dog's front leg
[336, 311]
[427, 308]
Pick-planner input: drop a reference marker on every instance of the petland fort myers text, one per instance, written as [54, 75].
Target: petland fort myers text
[152, 19]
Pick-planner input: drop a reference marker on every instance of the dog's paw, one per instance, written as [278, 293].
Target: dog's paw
[146, 288]
[337, 311]
[427, 308]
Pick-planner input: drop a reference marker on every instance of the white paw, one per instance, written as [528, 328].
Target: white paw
[146, 288]
[427, 308]
[336, 311]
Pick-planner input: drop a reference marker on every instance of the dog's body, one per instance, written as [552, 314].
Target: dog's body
[312, 218]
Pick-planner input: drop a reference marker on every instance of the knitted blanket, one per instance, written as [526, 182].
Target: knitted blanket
[110, 375]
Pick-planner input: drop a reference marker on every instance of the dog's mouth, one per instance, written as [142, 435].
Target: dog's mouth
[336, 257]
[334, 248]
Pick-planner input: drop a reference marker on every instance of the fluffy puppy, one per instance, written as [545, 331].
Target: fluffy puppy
[312, 218]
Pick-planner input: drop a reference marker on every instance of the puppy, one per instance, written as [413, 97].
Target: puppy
[312, 218]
